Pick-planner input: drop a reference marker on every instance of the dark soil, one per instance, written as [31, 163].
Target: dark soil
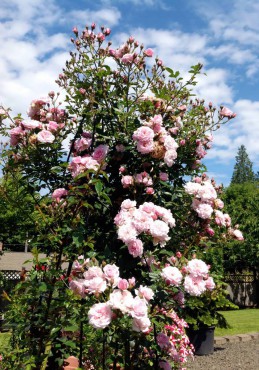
[229, 356]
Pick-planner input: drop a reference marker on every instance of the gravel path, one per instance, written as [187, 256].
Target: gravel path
[229, 356]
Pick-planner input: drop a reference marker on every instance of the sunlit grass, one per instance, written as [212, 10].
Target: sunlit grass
[4, 340]
[240, 321]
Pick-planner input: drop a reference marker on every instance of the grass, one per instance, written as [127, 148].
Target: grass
[240, 321]
[4, 340]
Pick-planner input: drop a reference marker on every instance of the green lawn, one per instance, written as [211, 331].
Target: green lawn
[240, 321]
[4, 339]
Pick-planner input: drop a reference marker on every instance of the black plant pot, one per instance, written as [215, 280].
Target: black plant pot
[202, 340]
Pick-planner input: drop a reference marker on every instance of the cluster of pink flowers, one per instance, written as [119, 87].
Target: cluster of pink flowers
[127, 54]
[42, 126]
[148, 219]
[80, 164]
[205, 203]
[195, 277]
[142, 178]
[97, 280]
[202, 145]
[152, 138]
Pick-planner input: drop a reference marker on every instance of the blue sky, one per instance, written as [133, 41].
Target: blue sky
[221, 34]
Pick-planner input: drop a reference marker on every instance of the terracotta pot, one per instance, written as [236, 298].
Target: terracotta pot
[71, 363]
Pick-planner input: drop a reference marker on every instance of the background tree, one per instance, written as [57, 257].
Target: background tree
[243, 169]
[16, 212]
[242, 202]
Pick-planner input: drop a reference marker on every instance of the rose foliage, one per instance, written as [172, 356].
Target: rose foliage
[123, 230]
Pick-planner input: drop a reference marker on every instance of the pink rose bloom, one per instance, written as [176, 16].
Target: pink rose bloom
[157, 121]
[170, 143]
[31, 124]
[150, 191]
[121, 300]
[203, 210]
[197, 268]
[111, 273]
[135, 248]
[53, 126]
[145, 147]
[143, 134]
[89, 163]
[193, 285]
[163, 176]
[93, 272]
[127, 58]
[82, 144]
[159, 231]
[95, 285]
[170, 156]
[148, 52]
[219, 203]
[127, 181]
[237, 234]
[192, 188]
[45, 137]
[227, 220]
[59, 193]
[127, 233]
[200, 152]
[78, 287]
[144, 292]
[100, 153]
[219, 218]
[15, 135]
[123, 284]
[163, 340]
[209, 283]
[100, 315]
[138, 308]
[141, 325]
[225, 112]
[127, 204]
[172, 275]
[207, 191]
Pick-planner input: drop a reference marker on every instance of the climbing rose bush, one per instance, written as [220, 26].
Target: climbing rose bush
[123, 231]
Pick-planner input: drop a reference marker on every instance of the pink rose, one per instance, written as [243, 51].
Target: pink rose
[141, 325]
[100, 153]
[77, 287]
[197, 268]
[31, 124]
[209, 283]
[123, 284]
[225, 112]
[148, 52]
[100, 315]
[135, 248]
[143, 134]
[127, 181]
[111, 272]
[144, 292]
[95, 285]
[127, 58]
[194, 285]
[59, 193]
[121, 300]
[172, 275]
[45, 136]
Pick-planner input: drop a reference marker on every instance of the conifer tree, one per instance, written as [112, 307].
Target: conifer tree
[243, 169]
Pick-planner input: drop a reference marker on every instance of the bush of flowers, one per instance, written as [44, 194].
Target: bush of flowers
[123, 229]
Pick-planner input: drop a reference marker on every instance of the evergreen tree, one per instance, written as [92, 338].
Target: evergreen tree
[243, 169]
